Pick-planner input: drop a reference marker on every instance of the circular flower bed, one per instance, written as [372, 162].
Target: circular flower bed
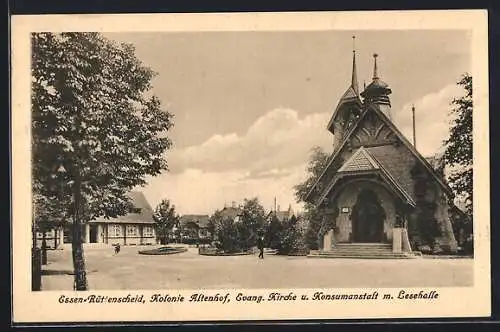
[216, 252]
[163, 251]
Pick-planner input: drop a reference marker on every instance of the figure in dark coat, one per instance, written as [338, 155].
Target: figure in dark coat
[260, 245]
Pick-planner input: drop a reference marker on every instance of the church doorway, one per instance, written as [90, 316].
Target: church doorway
[367, 218]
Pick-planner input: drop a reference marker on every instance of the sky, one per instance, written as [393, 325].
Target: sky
[249, 106]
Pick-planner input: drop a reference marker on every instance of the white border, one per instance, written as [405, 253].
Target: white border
[44, 307]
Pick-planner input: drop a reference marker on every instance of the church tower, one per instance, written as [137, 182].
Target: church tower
[348, 108]
[376, 94]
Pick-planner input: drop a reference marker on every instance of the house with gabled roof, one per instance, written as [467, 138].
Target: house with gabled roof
[135, 228]
[195, 225]
[377, 188]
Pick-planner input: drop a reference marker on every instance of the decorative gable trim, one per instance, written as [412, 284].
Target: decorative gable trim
[374, 167]
[361, 160]
[397, 133]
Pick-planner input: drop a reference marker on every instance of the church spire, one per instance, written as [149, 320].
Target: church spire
[375, 71]
[377, 92]
[354, 79]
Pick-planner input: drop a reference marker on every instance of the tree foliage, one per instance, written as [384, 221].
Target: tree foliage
[93, 117]
[227, 232]
[291, 238]
[252, 222]
[273, 233]
[318, 161]
[165, 218]
[458, 146]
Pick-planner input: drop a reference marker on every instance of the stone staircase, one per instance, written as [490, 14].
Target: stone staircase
[361, 251]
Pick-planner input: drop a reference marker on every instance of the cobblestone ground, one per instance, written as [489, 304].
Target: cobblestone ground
[130, 270]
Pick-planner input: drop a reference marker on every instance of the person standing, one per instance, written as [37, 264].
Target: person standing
[260, 245]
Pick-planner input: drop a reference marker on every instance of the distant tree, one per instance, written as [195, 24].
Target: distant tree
[313, 228]
[273, 232]
[191, 230]
[458, 146]
[252, 222]
[226, 232]
[291, 237]
[94, 118]
[165, 218]
[48, 215]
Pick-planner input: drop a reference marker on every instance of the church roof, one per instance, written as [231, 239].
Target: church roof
[376, 85]
[351, 95]
[364, 162]
[401, 174]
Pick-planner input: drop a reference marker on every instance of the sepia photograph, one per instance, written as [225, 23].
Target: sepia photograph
[234, 160]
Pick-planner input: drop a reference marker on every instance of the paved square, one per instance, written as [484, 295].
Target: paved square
[130, 270]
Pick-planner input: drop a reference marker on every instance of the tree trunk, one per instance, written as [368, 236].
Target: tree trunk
[76, 245]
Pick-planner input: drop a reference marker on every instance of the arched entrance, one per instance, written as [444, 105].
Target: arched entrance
[367, 218]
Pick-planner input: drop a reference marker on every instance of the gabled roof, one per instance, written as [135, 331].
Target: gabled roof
[145, 215]
[362, 162]
[398, 134]
[199, 219]
[350, 96]
[231, 212]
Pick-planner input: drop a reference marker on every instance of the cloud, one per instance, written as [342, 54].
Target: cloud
[277, 140]
[270, 158]
[196, 191]
[266, 162]
[431, 119]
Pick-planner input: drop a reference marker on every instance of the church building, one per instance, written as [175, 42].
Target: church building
[377, 189]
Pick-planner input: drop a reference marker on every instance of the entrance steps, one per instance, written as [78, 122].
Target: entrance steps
[361, 251]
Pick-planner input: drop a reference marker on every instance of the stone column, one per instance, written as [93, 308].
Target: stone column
[405, 240]
[327, 240]
[87, 233]
[397, 239]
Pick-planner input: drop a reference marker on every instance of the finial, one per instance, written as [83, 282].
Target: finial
[354, 79]
[375, 75]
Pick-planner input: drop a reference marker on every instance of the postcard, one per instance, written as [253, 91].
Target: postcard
[250, 166]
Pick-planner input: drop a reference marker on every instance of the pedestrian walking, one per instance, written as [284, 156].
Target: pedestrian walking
[117, 248]
[260, 245]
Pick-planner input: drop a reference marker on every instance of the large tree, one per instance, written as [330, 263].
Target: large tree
[166, 218]
[94, 117]
[317, 163]
[458, 146]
